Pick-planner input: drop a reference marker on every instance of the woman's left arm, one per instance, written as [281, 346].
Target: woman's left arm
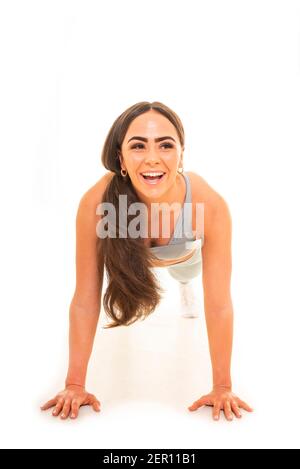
[216, 277]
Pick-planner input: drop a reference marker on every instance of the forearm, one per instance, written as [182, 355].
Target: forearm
[82, 329]
[220, 336]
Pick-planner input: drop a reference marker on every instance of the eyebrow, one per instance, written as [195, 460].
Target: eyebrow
[158, 139]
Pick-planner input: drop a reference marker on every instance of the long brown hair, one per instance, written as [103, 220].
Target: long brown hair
[133, 291]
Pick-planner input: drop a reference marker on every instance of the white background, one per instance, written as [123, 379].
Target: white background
[231, 70]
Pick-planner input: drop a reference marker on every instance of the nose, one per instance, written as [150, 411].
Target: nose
[152, 158]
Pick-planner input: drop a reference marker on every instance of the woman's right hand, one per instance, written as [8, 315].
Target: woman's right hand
[69, 400]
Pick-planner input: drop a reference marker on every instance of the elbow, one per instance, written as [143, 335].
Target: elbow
[84, 307]
[219, 310]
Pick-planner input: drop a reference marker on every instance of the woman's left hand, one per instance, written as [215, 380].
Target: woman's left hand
[222, 398]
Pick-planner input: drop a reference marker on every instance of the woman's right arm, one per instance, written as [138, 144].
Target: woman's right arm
[85, 306]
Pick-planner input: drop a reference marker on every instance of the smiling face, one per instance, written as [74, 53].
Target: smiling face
[151, 144]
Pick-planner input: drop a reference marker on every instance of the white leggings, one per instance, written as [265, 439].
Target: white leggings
[186, 270]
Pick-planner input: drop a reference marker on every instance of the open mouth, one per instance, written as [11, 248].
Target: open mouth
[154, 177]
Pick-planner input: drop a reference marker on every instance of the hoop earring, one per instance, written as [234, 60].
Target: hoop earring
[124, 175]
[180, 172]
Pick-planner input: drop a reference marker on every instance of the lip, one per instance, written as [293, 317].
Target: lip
[152, 183]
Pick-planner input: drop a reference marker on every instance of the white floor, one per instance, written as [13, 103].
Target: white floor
[146, 376]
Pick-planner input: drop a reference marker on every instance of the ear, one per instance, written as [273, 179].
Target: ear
[181, 157]
[120, 156]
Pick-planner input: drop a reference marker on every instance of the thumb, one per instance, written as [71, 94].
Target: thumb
[96, 405]
[194, 406]
[205, 400]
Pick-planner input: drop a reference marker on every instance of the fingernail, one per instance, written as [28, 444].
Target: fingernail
[62, 415]
[72, 415]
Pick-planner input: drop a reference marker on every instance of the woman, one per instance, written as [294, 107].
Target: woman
[143, 153]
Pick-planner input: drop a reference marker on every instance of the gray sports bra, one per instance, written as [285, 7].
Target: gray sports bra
[182, 241]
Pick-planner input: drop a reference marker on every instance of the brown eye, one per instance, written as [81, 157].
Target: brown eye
[141, 145]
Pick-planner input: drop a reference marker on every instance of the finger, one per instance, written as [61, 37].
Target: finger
[48, 404]
[93, 401]
[66, 409]
[227, 410]
[199, 403]
[58, 406]
[196, 405]
[96, 405]
[74, 409]
[244, 405]
[216, 411]
[236, 409]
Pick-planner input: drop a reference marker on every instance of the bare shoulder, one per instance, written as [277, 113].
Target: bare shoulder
[202, 191]
[215, 205]
[87, 217]
[92, 197]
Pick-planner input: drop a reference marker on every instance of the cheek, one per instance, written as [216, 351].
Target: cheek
[136, 159]
[171, 160]
[133, 162]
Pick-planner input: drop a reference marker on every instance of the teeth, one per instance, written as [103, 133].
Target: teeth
[152, 174]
